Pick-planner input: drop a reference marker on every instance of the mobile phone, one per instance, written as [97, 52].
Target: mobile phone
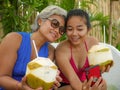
[93, 71]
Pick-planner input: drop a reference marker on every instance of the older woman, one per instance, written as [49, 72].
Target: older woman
[16, 49]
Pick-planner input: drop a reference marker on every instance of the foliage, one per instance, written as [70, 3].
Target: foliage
[64, 37]
[18, 15]
[85, 4]
[67, 6]
[118, 46]
[101, 21]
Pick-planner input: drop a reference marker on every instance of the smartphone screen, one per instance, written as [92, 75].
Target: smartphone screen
[93, 71]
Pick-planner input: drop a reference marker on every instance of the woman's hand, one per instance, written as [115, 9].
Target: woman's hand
[58, 80]
[99, 85]
[23, 85]
[104, 85]
[105, 69]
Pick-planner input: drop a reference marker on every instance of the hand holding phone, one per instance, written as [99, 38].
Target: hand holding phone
[93, 71]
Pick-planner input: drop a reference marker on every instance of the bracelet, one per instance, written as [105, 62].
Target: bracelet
[17, 87]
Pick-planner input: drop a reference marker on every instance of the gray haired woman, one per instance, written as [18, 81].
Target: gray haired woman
[17, 49]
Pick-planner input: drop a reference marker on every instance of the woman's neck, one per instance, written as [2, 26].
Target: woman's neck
[38, 38]
[81, 43]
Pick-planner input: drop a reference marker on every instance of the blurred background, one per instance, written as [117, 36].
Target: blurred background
[18, 15]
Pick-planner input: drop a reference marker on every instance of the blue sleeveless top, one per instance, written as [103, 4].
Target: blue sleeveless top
[24, 55]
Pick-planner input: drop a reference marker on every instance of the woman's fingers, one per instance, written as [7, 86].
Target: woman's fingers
[105, 69]
[57, 82]
[90, 81]
[98, 82]
[23, 81]
[87, 84]
[108, 68]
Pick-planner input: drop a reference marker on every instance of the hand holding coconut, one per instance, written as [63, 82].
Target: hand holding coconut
[41, 72]
[24, 86]
[101, 55]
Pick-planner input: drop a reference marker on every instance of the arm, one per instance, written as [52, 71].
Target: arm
[8, 55]
[62, 55]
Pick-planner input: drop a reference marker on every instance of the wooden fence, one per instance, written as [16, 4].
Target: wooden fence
[104, 6]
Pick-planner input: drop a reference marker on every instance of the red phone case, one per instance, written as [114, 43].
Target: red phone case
[93, 71]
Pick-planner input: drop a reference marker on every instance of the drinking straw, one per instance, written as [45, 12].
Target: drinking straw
[35, 48]
[104, 34]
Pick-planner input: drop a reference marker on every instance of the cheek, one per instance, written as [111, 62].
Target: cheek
[82, 34]
[59, 36]
[68, 33]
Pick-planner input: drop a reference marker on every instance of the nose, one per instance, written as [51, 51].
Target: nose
[74, 32]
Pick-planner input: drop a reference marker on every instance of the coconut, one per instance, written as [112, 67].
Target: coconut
[101, 55]
[41, 72]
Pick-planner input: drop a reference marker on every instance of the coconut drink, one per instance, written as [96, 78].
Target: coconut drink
[101, 55]
[41, 72]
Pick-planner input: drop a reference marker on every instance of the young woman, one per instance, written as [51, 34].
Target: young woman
[17, 49]
[71, 54]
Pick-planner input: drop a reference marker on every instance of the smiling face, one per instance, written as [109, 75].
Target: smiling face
[50, 27]
[76, 29]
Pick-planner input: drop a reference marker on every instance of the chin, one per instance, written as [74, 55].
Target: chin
[75, 43]
[52, 40]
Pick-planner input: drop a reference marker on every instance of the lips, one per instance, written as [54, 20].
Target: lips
[75, 39]
[53, 34]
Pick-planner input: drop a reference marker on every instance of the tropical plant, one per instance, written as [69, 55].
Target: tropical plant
[98, 19]
[18, 15]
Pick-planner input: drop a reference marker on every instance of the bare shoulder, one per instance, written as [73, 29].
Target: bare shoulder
[62, 46]
[63, 49]
[62, 53]
[12, 39]
[12, 35]
[90, 40]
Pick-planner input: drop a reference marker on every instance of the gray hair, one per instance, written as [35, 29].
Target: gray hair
[46, 13]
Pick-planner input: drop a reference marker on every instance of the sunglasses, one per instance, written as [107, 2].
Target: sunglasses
[55, 24]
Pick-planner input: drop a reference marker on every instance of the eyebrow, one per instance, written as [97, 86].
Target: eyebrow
[77, 25]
